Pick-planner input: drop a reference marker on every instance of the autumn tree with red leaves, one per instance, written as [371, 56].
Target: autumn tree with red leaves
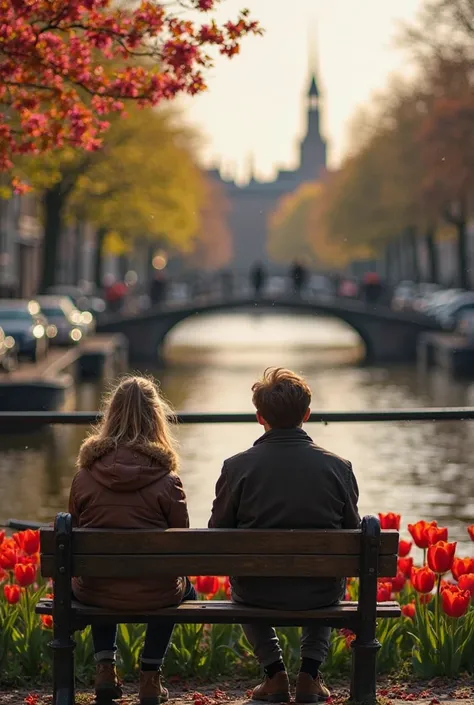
[66, 65]
[68, 68]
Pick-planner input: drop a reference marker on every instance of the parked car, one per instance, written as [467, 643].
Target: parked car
[8, 352]
[404, 296]
[441, 299]
[321, 286]
[66, 321]
[23, 320]
[450, 314]
[90, 304]
[465, 325]
[425, 296]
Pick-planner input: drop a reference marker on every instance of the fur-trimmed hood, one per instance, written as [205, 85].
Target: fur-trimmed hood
[125, 468]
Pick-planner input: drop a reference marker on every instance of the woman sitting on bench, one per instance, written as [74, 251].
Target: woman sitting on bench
[128, 479]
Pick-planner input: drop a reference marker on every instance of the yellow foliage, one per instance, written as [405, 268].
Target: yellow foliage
[298, 230]
[289, 226]
[114, 244]
[212, 247]
[142, 183]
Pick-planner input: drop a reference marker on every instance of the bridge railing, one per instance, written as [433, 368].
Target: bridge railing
[20, 420]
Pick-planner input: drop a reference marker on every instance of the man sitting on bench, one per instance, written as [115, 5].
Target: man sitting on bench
[286, 481]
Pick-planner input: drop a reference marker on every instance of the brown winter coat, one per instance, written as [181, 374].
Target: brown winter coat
[285, 481]
[128, 487]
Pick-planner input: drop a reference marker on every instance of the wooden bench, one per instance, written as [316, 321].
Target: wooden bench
[367, 554]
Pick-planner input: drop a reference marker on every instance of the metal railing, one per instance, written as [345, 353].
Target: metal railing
[44, 418]
[27, 419]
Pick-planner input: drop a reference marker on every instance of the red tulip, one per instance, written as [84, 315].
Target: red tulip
[405, 566]
[455, 601]
[436, 534]
[441, 556]
[419, 532]
[390, 521]
[384, 592]
[225, 586]
[423, 579]
[207, 584]
[25, 574]
[348, 637]
[404, 548]
[47, 621]
[28, 541]
[461, 566]
[409, 610]
[425, 598]
[12, 593]
[8, 558]
[470, 531]
[2, 537]
[398, 583]
[466, 582]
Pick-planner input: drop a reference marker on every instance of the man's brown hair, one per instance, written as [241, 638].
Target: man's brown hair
[281, 397]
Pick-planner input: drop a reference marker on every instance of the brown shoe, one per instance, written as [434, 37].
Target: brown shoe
[151, 690]
[310, 690]
[107, 686]
[273, 690]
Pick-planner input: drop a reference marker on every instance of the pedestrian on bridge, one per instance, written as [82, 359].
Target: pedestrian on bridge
[258, 278]
[298, 277]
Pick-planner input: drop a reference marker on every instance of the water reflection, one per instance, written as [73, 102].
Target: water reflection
[420, 469]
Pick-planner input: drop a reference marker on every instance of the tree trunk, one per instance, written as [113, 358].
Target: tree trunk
[78, 245]
[53, 205]
[463, 264]
[400, 258]
[387, 263]
[123, 266]
[99, 257]
[432, 252]
[412, 253]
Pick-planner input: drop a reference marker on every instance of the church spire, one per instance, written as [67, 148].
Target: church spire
[313, 91]
[313, 146]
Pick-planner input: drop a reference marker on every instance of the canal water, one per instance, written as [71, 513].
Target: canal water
[422, 470]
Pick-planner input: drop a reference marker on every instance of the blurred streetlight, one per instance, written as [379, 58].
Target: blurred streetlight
[159, 261]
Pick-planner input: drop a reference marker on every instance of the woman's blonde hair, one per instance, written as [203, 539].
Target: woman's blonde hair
[135, 413]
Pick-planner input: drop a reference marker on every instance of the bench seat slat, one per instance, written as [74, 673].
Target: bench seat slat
[150, 566]
[202, 541]
[216, 612]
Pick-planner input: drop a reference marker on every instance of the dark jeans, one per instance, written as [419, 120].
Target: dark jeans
[158, 636]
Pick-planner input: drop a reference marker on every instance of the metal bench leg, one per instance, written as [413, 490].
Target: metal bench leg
[63, 671]
[365, 645]
[63, 645]
[364, 671]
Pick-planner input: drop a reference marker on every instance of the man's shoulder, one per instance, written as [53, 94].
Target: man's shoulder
[239, 459]
[331, 457]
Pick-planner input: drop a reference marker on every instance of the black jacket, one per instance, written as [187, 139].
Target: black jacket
[285, 481]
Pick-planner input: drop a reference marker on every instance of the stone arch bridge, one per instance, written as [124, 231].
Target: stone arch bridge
[388, 336]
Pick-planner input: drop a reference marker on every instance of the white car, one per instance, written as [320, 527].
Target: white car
[63, 318]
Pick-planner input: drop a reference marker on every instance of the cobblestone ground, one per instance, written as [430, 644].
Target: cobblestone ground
[236, 693]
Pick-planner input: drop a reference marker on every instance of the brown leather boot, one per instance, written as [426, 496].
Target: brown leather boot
[151, 690]
[273, 690]
[310, 690]
[107, 686]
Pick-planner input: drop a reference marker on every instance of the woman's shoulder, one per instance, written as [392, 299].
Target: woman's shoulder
[93, 448]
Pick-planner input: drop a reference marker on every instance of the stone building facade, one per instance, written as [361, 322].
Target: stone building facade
[251, 204]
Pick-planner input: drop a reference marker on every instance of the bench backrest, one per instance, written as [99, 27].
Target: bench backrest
[111, 553]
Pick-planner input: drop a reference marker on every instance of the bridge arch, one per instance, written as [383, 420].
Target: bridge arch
[388, 336]
[355, 338]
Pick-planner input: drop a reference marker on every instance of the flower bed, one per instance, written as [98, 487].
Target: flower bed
[434, 637]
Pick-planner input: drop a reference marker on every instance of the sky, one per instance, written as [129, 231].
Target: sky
[254, 110]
